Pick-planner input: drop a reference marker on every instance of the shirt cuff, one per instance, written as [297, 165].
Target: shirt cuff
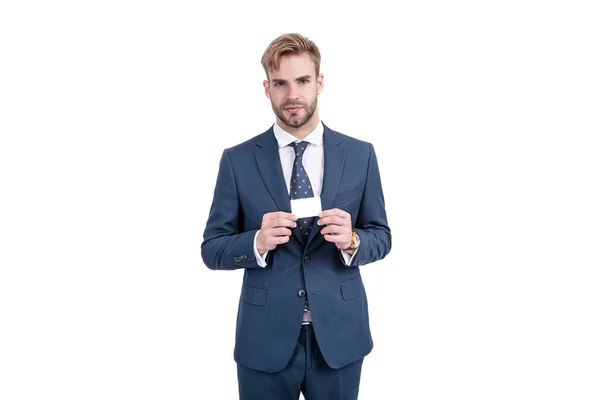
[348, 257]
[259, 260]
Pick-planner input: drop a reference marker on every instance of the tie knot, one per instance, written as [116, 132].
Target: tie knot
[299, 148]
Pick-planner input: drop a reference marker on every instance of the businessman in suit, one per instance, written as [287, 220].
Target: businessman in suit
[302, 323]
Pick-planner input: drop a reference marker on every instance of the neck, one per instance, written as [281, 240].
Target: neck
[302, 131]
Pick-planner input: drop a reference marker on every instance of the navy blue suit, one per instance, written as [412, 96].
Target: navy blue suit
[250, 183]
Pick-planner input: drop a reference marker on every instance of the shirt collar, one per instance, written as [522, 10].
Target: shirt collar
[284, 138]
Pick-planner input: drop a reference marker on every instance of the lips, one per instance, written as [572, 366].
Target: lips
[293, 109]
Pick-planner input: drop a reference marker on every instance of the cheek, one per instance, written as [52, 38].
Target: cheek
[311, 93]
[276, 98]
[312, 89]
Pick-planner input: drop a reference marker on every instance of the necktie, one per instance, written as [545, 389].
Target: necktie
[300, 188]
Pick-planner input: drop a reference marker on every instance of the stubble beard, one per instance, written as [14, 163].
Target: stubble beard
[295, 121]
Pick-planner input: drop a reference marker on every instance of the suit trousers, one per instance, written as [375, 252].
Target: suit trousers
[307, 372]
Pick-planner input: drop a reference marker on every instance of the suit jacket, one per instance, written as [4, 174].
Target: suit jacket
[249, 184]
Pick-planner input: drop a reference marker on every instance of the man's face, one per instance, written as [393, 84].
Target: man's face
[293, 90]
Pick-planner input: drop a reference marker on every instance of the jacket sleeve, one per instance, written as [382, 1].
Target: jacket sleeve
[225, 246]
[371, 221]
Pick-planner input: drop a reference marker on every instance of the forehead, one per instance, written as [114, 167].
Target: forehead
[294, 66]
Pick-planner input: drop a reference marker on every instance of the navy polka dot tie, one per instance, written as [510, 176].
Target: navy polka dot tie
[300, 188]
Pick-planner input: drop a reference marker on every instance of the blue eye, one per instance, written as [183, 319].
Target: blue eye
[278, 84]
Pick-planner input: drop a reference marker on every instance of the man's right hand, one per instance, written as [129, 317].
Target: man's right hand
[275, 229]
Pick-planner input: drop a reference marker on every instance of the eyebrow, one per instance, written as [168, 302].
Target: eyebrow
[307, 77]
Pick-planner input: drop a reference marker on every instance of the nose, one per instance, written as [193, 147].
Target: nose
[294, 92]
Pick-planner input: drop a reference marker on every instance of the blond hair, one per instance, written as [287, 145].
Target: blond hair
[286, 45]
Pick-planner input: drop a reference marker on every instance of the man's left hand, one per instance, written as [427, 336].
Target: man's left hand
[338, 227]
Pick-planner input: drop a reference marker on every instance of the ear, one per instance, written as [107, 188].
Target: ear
[320, 83]
[266, 85]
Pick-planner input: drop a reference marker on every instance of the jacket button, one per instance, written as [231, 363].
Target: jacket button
[306, 259]
[301, 293]
[362, 262]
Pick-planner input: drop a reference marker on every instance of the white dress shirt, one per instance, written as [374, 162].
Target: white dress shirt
[313, 162]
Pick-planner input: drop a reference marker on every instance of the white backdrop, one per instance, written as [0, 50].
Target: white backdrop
[485, 120]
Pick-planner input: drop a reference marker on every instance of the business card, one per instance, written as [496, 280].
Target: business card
[304, 208]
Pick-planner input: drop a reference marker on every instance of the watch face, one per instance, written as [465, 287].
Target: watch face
[354, 240]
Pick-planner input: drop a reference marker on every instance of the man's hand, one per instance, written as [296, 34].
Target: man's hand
[274, 230]
[338, 227]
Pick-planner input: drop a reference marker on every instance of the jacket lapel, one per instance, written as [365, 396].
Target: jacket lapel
[334, 156]
[269, 166]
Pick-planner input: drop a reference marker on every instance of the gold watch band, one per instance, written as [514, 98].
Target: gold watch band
[354, 242]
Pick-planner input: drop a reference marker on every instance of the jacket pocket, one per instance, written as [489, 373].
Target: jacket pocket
[351, 289]
[254, 295]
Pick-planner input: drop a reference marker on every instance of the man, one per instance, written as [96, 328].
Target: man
[302, 322]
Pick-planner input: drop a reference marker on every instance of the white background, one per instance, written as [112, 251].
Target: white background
[485, 120]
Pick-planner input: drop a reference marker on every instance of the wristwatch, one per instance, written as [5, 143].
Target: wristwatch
[355, 241]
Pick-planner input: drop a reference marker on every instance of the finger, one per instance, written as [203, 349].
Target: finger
[275, 240]
[338, 240]
[334, 212]
[334, 220]
[280, 214]
[331, 238]
[335, 230]
[280, 232]
[279, 222]
[282, 239]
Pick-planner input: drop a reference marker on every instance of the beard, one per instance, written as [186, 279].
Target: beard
[295, 120]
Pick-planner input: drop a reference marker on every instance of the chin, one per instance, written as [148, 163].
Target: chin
[296, 123]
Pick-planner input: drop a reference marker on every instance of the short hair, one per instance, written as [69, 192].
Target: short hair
[289, 44]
